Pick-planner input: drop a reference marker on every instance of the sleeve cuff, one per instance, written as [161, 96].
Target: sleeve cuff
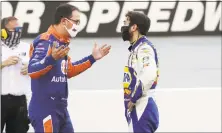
[91, 59]
[49, 60]
[133, 100]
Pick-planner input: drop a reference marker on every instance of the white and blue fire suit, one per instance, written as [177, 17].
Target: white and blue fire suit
[140, 79]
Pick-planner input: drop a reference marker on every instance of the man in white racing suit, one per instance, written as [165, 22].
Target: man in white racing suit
[140, 75]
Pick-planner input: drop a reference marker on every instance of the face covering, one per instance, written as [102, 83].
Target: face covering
[125, 33]
[74, 30]
[12, 38]
[18, 29]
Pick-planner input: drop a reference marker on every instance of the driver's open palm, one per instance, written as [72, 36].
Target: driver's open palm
[100, 52]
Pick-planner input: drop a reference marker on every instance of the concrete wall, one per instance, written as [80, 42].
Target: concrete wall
[185, 62]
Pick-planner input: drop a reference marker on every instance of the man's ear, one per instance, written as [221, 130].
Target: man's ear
[134, 27]
[63, 21]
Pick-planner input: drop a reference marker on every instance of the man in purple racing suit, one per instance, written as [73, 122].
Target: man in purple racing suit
[50, 67]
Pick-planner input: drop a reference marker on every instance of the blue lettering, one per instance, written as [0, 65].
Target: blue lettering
[126, 77]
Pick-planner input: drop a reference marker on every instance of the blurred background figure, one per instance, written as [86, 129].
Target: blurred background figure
[15, 82]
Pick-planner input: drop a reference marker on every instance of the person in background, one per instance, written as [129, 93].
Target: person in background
[140, 75]
[15, 81]
[50, 67]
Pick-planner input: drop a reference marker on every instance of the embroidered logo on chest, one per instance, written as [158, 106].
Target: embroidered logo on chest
[64, 67]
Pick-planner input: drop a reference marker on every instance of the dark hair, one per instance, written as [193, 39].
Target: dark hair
[64, 11]
[6, 20]
[141, 20]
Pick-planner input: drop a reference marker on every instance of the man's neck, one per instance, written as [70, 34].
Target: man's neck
[135, 38]
[60, 30]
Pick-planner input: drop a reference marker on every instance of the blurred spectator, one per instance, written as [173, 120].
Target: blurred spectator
[15, 82]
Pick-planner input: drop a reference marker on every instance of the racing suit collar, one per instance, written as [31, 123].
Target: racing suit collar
[136, 43]
[58, 36]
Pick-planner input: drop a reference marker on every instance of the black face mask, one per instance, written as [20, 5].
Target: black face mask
[125, 33]
[13, 37]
